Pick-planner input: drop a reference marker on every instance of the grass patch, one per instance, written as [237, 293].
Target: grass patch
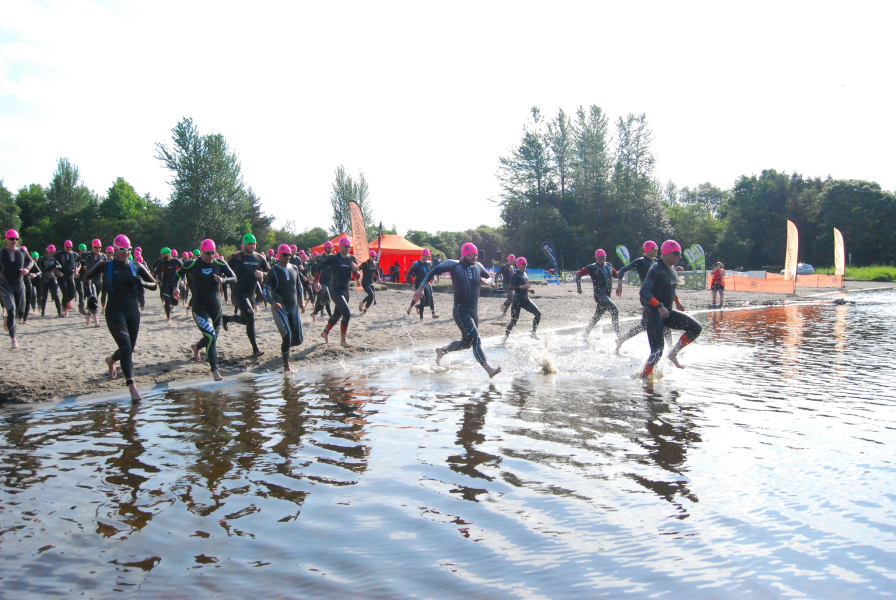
[870, 273]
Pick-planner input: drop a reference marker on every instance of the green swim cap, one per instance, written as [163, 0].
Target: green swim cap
[165, 250]
[82, 246]
[249, 239]
[35, 255]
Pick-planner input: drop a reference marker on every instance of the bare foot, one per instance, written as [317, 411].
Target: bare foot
[216, 376]
[257, 353]
[313, 318]
[195, 349]
[435, 316]
[409, 309]
[439, 354]
[534, 337]
[88, 320]
[96, 322]
[110, 362]
[326, 335]
[287, 368]
[491, 372]
[344, 343]
[15, 344]
[674, 360]
[135, 395]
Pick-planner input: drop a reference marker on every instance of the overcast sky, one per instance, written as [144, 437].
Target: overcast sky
[425, 97]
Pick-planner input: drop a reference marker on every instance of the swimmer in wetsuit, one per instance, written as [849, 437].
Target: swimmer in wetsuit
[368, 275]
[642, 265]
[165, 270]
[123, 278]
[343, 265]
[49, 274]
[658, 292]
[250, 267]
[31, 284]
[323, 278]
[15, 263]
[69, 265]
[206, 274]
[283, 291]
[601, 273]
[94, 287]
[506, 271]
[521, 288]
[416, 273]
[467, 275]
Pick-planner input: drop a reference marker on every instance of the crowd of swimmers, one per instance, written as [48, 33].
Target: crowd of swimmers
[112, 281]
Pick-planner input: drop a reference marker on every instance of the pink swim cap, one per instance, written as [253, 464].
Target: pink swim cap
[51, 248]
[207, 245]
[110, 249]
[511, 257]
[649, 245]
[344, 241]
[426, 252]
[599, 252]
[270, 251]
[12, 233]
[173, 253]
[138, 249]
[68, 244]
[313, 254]
[328, 244]
[521, 262]
[293, 247]
[97, 243]
[372, 254]
[468, 249]
[122, 241]
[671, 246]
[283, 249]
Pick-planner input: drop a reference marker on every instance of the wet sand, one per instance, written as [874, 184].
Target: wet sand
[61, 357]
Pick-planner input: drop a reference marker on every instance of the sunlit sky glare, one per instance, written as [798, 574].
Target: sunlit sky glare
[425, 97]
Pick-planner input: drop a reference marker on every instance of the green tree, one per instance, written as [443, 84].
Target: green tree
[9, 210]
[121, 202]
[209, 197]
[706, 196]
[344, 191]
[72, 206]
[34, 209]
[865, 214]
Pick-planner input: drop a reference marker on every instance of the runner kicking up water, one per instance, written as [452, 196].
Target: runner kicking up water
[123, 278]
[658, 292]
[283, 290]
[206, 274]
[343, 266]
[643, 265]
[519, 285]
[467, 275]
[601, 273]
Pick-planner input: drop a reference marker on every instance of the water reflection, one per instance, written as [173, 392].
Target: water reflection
[586, 481]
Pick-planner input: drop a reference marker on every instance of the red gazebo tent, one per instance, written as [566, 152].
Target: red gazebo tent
[319, 249]
[396, 249]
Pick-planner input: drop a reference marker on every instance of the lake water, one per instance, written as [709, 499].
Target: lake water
[764, 469]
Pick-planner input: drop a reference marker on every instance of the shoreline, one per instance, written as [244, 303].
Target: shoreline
[62, 360]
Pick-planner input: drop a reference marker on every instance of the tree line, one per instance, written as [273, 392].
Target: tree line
[568, 180]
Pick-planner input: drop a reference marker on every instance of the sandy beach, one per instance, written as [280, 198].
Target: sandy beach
[61, 357]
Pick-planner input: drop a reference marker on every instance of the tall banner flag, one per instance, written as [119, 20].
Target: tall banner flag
[793, 248]
[839, 253]
[548, 247]
[379, 245]
[688, 254]
[699, 257]
[359, 236]
[623, 253]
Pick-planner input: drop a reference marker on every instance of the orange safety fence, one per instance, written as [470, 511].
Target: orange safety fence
[773, 275]
[819, 281]
[735, 283]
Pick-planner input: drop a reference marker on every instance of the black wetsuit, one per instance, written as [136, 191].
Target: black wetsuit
[368, 276]
[31, 287]
[12, 289]
[340, 285]
[602, 280]
[521, 301]
[506, 271]
[48, 283]
[466, 281]
[69, 263]
[416, 273]
[642, 265]
[323, 276]
[284, 286]
[659, 289]
[95, 287]
[166, 273]
[123, 279]
[207, 307]
[244, 290]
